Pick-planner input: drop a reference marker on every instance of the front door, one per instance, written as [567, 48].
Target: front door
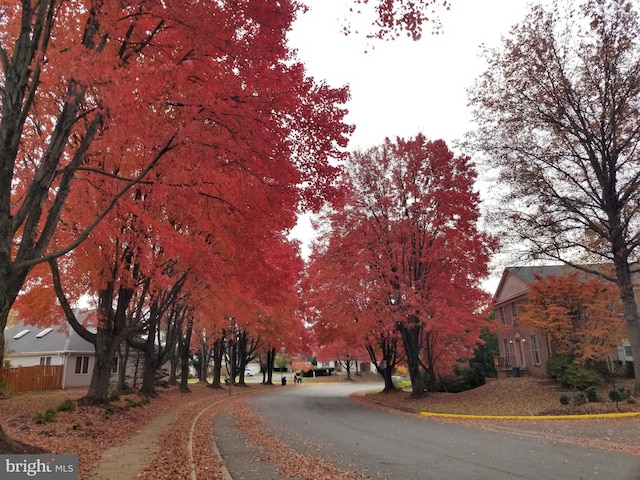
[520, 361]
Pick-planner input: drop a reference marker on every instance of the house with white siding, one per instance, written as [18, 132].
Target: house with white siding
[28, 345]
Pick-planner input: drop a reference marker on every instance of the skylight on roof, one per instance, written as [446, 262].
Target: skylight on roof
[44, 332]
[20, 334]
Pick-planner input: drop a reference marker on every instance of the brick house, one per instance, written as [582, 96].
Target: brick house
[523, 349]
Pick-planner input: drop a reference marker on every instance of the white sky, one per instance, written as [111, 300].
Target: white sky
[402, 88]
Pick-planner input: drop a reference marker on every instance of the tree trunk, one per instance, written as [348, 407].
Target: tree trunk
[232, 359]
[10, 285]
[386, 373]
[241, 348]
[429, 363]
[184, 357]
[386, 365]
[202, 373]
[347, 367]
[270, 364]
[217, 355]
[123, 358]
[173, 361]
[411, 338]
[106, 348]
[631, 317]
[150, 356]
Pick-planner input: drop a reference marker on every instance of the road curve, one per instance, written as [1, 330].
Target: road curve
[380, 444]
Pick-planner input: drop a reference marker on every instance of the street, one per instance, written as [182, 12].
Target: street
[381, 444]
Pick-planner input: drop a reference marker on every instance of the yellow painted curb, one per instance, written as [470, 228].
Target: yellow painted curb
[531, 417]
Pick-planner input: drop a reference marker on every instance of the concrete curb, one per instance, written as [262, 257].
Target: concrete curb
[223, 469]
[531, 417]
[462, 416]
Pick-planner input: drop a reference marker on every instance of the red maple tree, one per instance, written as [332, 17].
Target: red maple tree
[230, 126]
[409, 235]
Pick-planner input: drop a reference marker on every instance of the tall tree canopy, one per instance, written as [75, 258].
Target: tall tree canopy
[95, 96]
[395, 17]
[408, 233]
[162, 109]
[558, 111]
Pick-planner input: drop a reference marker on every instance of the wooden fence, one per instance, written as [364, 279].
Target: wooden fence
[26, 379]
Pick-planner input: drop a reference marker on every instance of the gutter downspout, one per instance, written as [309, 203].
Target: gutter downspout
[65, 356]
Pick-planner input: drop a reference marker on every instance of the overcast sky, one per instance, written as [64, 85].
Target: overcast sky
[403, 88]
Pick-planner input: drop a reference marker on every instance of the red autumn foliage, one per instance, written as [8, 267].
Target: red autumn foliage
[204, 115]
[404, 255]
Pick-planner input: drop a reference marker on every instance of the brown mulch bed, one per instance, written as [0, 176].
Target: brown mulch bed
[530, 397]
[510, 396]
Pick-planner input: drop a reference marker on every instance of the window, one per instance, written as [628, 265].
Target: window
[503, 317]
[45, 360]
[535, 350]
[82, 365]
[514, 310]
[507, 353]
[44, 332]
[627, 352]
[20, 334]
[114, 365]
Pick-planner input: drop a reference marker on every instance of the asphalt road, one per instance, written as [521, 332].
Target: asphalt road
[383, 445]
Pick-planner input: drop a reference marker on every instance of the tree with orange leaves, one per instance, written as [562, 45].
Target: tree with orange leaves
[580, 314]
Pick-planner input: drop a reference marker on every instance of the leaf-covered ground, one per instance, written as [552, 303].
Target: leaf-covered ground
[170, 437]
[510, 396]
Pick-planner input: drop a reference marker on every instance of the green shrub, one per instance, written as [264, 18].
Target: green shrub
[619, 394]
[599, 366]
[67, 406]
[473, 377]
[579, 398]
[129, 403]
[592, 394]
[46, 417]
[402, 384]
[564, 399]
[630, 370]
[557, 366]
[114, 396]
[578, 377]
[451, 384]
